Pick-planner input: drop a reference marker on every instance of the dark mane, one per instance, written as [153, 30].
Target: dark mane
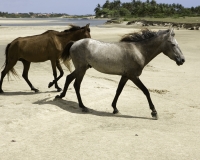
[71, 29]
[74, 28]
[142, 35]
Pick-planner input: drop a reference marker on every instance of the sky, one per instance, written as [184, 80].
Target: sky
[72, 7]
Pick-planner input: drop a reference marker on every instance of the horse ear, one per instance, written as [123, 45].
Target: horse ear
[170, 30]
[169, 35]
[87, 28]
[88, 25]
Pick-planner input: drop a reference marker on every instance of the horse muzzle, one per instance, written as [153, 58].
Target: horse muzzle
[180, 60]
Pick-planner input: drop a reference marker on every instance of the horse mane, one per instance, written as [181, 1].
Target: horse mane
[75, 28]
[142, 35]
[71, 29]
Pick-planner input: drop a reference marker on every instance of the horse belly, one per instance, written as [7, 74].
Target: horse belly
[109, 68]
[107, 62]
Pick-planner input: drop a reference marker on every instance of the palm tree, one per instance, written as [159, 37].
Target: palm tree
[107, 4]
[97, 10]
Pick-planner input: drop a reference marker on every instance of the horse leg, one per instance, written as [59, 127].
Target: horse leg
[140, 85]
[3, 73]
[61, 73]
[25, 75]
[69, 79]
[53, 64]
[121, 85]
[77, 85]
[8, 67]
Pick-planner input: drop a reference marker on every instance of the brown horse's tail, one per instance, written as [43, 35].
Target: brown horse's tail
[65, 56]
[12, 70]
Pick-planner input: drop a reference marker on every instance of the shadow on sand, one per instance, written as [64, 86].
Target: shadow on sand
[22, 93]
[25, 93]
[73, 107]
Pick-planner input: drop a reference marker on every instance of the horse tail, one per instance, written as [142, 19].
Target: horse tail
[12, 70]
[65, 56]
[66, 52]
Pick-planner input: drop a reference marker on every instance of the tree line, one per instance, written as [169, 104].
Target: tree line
[149, 8]
[31, 15]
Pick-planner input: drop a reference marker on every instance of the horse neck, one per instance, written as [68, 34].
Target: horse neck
[150, 49]
[66, 37]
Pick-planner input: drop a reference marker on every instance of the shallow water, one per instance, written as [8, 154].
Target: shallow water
[49, 22]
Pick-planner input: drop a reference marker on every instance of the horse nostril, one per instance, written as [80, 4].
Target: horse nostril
[183, 60]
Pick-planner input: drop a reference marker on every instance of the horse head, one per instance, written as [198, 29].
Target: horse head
[86, 31]
[172, 49]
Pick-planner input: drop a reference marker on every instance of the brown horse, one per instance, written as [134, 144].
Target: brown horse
[40, 48]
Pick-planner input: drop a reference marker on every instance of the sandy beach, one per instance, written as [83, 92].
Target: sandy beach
[34, 126]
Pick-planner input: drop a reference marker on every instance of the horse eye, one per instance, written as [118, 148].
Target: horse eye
[173, 44]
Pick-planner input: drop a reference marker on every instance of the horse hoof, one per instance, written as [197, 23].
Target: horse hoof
[50, 84]
[58, 97]
[1, 91]
[117, 114]
[59, 89]
[115, 111]
[154, 115]
[35, 90]
[85, 110]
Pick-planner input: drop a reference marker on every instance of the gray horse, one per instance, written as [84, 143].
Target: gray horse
[126, 58]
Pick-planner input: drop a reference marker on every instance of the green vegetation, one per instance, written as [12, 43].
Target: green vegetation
[150, 8]
[168, 19]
